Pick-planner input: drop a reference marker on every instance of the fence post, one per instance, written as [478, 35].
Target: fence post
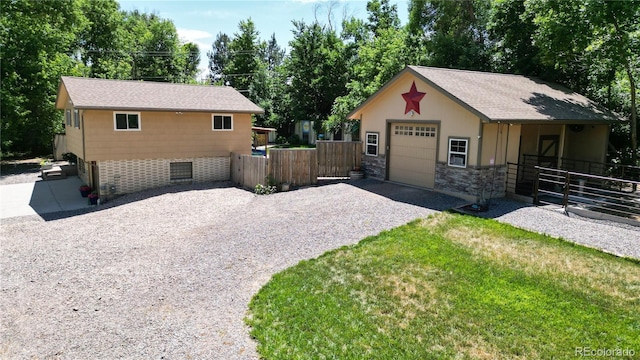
[566, 189]
[535, 187]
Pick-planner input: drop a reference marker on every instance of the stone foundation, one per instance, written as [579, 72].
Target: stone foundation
[374, 166]
[471, 181]
[127, 176]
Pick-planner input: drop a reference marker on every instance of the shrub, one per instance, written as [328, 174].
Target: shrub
[294, 140]
[264, 190]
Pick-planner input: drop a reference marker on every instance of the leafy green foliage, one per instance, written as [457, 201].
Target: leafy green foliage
[318, 72]
[264, 189]
[44, 40]
[448, 287]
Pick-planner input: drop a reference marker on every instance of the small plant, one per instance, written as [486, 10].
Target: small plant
[85, 190]
[264, 190]
[93, 198]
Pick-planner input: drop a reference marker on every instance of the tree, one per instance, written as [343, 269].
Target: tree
[245, 50]
[219, 58]
[38, 38]
[600, 40]
[317, 71]
[156, 52]
[372, 65]
[102, 39]
[450, 33]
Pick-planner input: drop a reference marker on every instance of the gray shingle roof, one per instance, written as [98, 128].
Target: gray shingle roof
[505, 97]
[88, 93]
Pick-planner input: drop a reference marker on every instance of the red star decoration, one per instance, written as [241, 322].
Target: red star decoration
[413, 98]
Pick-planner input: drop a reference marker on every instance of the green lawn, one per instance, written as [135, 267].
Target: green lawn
[450, 286]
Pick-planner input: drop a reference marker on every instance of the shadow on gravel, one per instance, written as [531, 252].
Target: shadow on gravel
[496, 208]
[410, 195]
[134, 197]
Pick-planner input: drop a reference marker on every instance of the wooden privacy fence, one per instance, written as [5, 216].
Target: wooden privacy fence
[298, 167]
[337, 158]
[248, 171]
[294, 166]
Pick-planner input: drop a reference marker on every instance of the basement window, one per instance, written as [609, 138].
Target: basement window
[222, 122]
[180, 171]
[458, 149]
[126, 121]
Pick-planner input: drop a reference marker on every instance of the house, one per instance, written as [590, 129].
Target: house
[134, 135]
[458, 131]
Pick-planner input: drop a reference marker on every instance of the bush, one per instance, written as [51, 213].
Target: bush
[281, 140]
[264, 190]
[294, 140]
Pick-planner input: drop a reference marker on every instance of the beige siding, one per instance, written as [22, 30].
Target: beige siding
[455, 121]
[74, 137]
[589, 144]
[513, 143]
[164, 135]
[500, 142]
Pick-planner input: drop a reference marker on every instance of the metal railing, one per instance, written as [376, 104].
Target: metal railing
[521, 176]
[609, 195]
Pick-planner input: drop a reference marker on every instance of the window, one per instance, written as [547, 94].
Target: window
[222, 122]
[76, 118]
[428, 131]
[404, 130]
[67, 117]
[126, 121]
[458, 152]
[180, 171]
[372, 144]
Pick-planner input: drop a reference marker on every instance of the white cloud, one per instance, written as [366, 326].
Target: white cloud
[193, 35]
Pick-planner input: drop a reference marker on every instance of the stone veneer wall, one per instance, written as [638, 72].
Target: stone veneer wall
[374, 166]
[471, 181]
[135, 175]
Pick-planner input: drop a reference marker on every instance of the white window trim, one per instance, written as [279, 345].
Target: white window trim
[366, 143]
[67, 117]
[76, 118]
[115, 124]
[223, 115]
[466, 153]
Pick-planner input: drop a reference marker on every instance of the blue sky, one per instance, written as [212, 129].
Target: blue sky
[201, 21]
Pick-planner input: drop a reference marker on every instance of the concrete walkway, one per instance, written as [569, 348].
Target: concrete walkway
[41, 197]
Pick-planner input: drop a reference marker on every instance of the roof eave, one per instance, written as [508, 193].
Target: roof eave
[244, 111]
[557, 121]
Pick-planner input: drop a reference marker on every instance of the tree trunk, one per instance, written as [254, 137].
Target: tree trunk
[634, 117]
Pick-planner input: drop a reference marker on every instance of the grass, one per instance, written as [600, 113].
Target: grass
[450, 286]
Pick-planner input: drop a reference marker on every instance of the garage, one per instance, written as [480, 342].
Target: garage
[412, 153]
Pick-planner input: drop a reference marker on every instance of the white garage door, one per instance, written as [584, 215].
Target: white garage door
[412, 158]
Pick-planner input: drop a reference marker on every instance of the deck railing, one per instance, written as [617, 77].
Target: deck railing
[603, 194]
[521, 176]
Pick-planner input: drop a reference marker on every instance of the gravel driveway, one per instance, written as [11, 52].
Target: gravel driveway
[169, 273]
